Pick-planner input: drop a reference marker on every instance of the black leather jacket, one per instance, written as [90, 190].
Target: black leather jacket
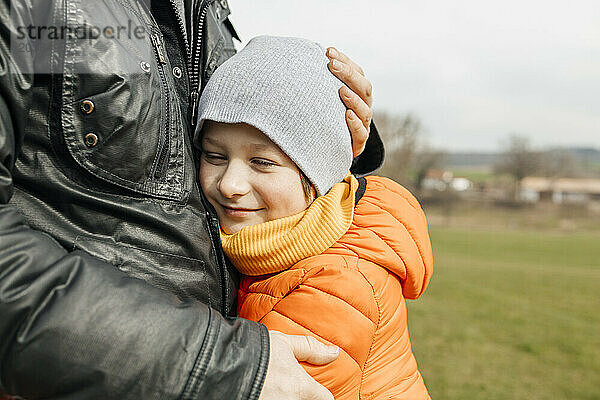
[113, 284]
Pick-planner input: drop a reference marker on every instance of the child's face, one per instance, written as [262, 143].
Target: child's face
[246, 177]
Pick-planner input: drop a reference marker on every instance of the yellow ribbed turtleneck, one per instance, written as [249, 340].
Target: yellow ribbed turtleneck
[276, 245]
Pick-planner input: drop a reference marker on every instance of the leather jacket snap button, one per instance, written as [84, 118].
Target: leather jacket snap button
[87, 106]
[177, 73]
[91, 140]
[145, 66]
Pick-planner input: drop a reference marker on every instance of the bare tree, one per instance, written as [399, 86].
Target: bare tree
[560, 163]
[400, 133]
[408, 156]
[425, 160]
[518, 160]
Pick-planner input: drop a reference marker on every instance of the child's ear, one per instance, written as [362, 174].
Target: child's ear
[313, 193]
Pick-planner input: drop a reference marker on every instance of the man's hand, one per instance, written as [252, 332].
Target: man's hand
[286, 379]
[357, 95]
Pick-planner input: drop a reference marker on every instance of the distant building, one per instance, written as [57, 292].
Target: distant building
[561, 190]
[442, 180]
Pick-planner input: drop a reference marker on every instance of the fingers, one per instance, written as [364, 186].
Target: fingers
[356, 104]
[332, 52]
[286, 379]
[353, 79]
[357, 95]
[352, 75]
[309, 349]
[359, 133]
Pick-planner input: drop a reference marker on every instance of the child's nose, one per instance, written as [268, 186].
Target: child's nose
[234, 182]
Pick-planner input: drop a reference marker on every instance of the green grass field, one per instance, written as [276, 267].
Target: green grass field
[510, 315]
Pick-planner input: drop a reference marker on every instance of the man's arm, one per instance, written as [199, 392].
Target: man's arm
[71, 325]
[74, 326]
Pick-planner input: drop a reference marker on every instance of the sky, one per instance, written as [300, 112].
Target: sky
[473, 71]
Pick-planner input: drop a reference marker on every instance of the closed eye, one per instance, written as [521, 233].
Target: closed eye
[263, 163]
[214, 158]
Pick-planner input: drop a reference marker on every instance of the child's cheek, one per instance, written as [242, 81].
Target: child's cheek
[284, 195]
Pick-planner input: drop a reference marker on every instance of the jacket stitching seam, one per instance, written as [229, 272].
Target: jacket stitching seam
[163, 102]
[263, 365]
[419, 211]
[339, 298]
[263, 294]
[344, 245]
[279, 299]
[317, 335]
[147, 196]
[60, 215]
[199, 369]
[53, 86]
[373, 337]
[409, 234]
[129, 246]
[149, 185]
[377, 183]
[96, 93]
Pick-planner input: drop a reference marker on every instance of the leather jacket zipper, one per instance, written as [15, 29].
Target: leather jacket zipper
[214, 231]
[159, 49]
[194, 61]
[181, 22]
[163, 155]
[159, 170]
[194, 64]
[194, 51]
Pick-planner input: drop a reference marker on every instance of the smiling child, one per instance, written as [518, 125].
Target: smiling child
[323, 253]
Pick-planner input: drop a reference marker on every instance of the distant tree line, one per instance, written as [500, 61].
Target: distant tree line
[519, 160]
[408, 155]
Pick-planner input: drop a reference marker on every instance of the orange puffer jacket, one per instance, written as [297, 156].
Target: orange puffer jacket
[352, 295]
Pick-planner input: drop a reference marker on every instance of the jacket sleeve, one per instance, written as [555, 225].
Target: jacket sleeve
[72, 326]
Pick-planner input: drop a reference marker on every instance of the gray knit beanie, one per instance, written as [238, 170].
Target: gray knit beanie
[282, 86]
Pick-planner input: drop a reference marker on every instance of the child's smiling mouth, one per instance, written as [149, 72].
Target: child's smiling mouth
[239, 212]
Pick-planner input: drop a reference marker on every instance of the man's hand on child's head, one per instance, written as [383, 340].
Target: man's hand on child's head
[357, 95]
[286, 379]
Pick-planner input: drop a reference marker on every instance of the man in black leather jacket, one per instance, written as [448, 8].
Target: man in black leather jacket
[97, 171]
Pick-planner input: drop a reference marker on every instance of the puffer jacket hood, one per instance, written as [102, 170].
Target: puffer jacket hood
[390, 229]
